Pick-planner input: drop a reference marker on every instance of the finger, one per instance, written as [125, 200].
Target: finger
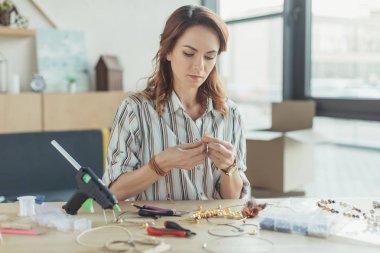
[219, 163]
[186, 159]
[195, 157]
[194, 162]
[220, 148]
[190, 145]
[208, 139]
[201, 150]
[216, 157]
[199, 161]
[221, 160]
[212, 155]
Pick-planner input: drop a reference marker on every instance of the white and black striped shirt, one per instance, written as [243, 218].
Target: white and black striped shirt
[138, 133]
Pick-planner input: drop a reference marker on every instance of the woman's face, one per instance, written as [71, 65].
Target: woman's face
[193, 57]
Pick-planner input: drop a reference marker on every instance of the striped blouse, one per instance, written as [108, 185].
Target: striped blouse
[138, 133]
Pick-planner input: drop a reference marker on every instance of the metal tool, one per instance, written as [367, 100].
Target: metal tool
[171, 229]
[155, 212]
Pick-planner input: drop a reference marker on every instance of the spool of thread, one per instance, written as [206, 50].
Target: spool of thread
[26, 205]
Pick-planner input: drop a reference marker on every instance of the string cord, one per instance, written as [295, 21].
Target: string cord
[124, 245]
[239, 230]
[80, 242]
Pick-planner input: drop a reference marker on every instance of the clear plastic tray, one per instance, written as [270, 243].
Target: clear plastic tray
[297, 216]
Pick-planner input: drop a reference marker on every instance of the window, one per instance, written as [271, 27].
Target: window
[345, 49]
[329, 54]
[252, 66]
[239, 9]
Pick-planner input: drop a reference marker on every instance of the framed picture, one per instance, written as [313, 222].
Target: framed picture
[61, 60]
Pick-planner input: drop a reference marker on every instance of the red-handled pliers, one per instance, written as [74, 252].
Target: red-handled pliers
[174, 225]
[171, 228]
[165, 231]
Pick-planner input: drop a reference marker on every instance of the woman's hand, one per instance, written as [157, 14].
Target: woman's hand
[220, 152]
[184, 156]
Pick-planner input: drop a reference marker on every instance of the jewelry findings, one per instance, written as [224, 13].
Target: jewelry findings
[251, 210]
[121, 218]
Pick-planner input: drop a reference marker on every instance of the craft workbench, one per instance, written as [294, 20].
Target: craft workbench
[52, 240]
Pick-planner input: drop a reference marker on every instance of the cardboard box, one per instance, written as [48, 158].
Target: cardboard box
[292, 115]
[280, 159]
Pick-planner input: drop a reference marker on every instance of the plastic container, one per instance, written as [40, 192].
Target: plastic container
[26, 205]
[53, 216]
[303, 221]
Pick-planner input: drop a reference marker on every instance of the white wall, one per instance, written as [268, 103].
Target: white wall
[129, 29]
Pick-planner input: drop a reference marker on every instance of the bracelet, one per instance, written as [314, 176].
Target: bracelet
[154, 166]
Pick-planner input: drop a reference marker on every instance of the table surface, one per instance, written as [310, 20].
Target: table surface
[52, 240]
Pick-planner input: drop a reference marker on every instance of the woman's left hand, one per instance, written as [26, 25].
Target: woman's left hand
[220, 152]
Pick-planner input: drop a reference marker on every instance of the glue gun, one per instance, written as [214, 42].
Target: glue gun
[90, 187]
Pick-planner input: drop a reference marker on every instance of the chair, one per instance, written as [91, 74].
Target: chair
[30, 165]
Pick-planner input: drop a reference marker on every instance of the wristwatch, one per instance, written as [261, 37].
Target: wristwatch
[230, 169]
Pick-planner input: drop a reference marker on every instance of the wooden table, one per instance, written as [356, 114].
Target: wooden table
[56, 241]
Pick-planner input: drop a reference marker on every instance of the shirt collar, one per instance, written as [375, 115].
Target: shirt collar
[176, 104]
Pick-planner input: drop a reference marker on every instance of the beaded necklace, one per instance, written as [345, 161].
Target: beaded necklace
[217, 213]
[250, 210]
[345, 209]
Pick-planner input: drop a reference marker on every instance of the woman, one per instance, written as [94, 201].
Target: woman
[180, 138]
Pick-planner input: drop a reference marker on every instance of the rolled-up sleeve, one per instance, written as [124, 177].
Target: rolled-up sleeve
[239, 143]
[241, 153]
[122, 152]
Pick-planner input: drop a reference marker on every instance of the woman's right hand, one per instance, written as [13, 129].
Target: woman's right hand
[183, 156]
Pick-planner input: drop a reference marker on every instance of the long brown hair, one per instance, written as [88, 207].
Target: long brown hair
[160, 83]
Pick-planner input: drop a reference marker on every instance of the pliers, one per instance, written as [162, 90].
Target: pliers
[171, 228]
[155, 212]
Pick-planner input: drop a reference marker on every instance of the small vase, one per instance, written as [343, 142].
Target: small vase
[72, 87]
[5, 18]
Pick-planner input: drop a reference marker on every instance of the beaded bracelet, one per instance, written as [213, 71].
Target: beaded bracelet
[154, 166]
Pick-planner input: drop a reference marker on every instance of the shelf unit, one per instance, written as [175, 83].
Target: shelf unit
[15, 32]
[31, 112]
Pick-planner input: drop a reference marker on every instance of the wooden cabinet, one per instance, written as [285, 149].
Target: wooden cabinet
[20, 112]
[80, 110]
[27, 112]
